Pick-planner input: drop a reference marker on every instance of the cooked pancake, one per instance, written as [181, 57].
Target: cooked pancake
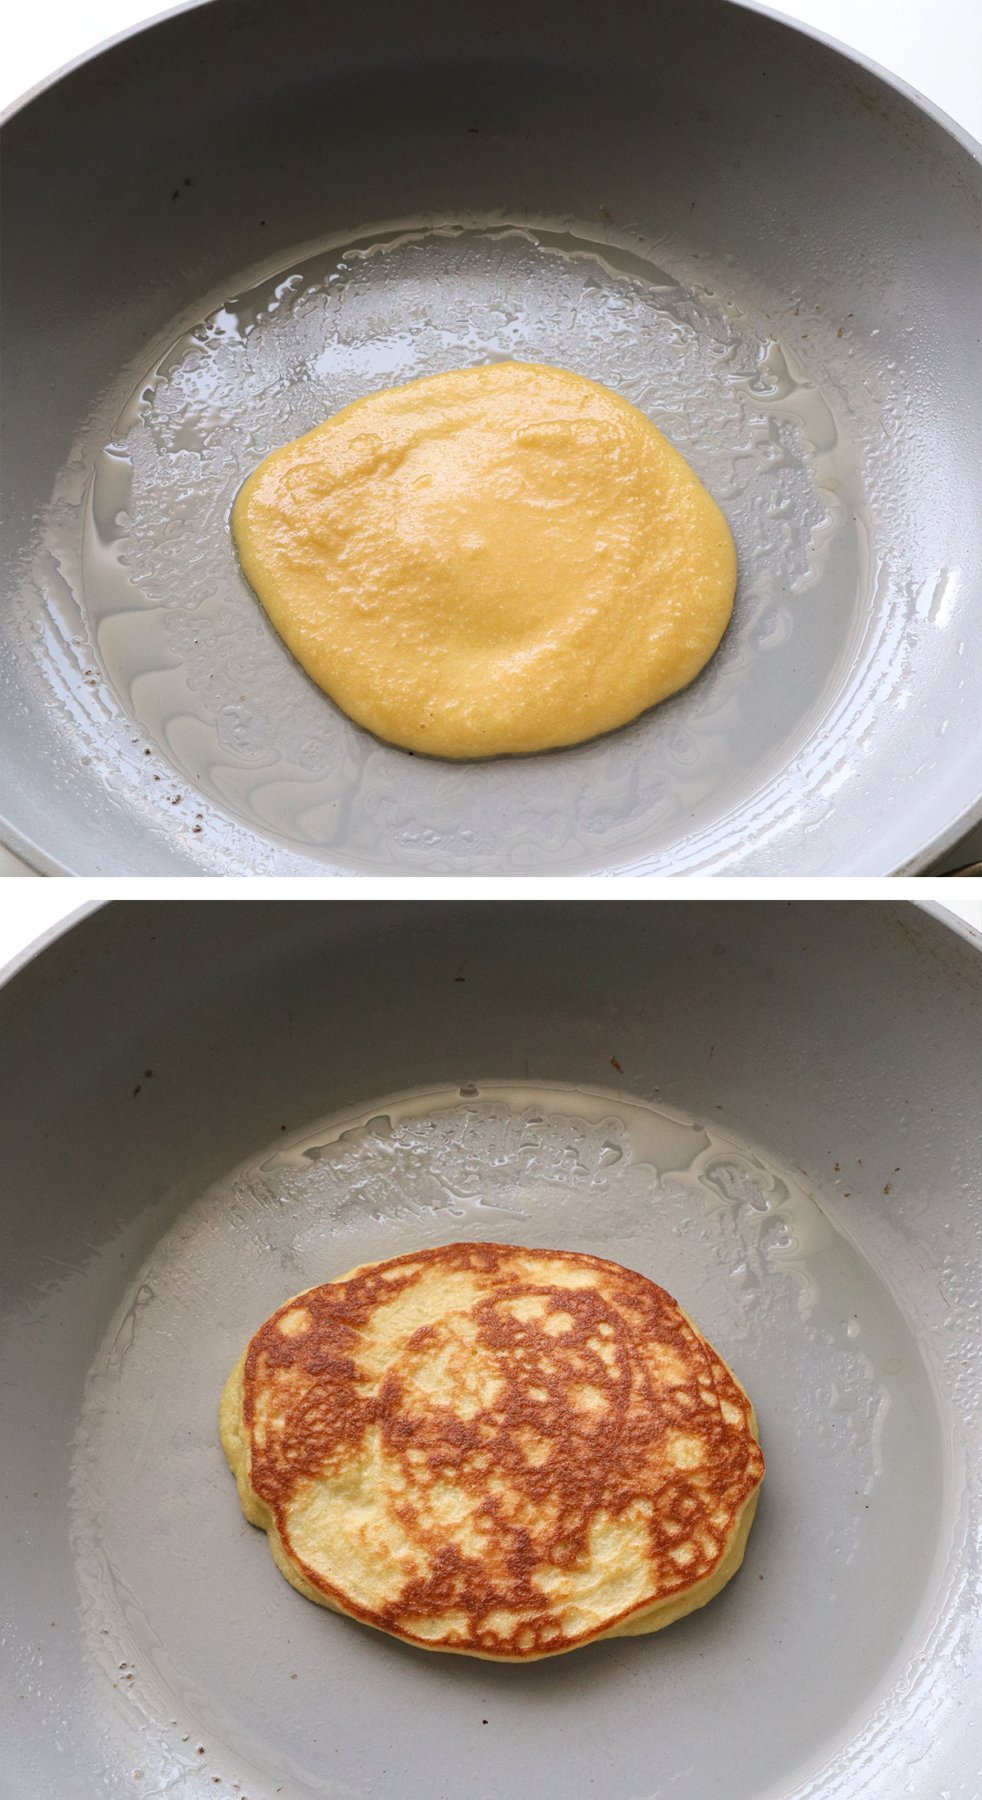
[501, 1452]
[492, 561]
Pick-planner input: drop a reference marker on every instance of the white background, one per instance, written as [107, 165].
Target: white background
[935, 45]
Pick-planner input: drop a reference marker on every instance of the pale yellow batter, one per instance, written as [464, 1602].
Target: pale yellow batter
[489, 562]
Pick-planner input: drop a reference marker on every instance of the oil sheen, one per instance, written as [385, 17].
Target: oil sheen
[229, 747]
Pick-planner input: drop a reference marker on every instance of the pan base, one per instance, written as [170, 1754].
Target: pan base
[184, 694]
[195, 1640]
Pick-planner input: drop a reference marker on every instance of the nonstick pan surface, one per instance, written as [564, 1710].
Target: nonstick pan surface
[770, 1109]
[224, 227]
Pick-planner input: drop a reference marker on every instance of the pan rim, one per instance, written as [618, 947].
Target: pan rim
[906, 91]
[34, 952]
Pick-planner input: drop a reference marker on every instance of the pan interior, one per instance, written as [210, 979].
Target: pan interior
[165, 665]
[205, 1667]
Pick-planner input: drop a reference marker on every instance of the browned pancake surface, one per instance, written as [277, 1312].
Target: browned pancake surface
[553, 1397]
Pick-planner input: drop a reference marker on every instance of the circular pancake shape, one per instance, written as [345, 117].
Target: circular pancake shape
[501, 1452]
[493, 561]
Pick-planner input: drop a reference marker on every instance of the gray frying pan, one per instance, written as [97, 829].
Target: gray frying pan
[225, 226]
[770, 1109]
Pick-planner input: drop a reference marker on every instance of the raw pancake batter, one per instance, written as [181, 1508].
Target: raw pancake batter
[495, 1451]
[493, 561]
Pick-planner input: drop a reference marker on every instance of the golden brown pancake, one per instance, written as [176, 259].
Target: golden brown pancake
[496, 1451]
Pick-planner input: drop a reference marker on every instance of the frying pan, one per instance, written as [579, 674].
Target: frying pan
[772, 1109]
[226, 225]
